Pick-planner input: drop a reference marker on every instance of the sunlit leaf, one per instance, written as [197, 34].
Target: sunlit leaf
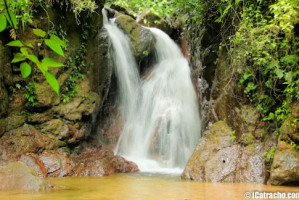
[57, 40]
[50, 62]
[53, 82]
[33, 58]
[18, 57]
[3, 23]
[54, 46]
[25, 69]
[12, 19]
[16, 43]
[39, 32]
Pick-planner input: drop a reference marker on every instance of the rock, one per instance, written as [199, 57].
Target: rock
[53, 127]
[45, 95]
[217, 158]
[38, 118]
[289, 130]
[153, 20]
[80, 106]
[11, 122]
[18, 176]
[24, 140]
[102, 162]
[285, 166]
[141, 39]
[92, 162]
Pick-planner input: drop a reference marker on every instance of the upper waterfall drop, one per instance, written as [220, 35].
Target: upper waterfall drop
[160, 113]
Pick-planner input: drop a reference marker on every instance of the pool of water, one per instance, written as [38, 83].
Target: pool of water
[140, 187]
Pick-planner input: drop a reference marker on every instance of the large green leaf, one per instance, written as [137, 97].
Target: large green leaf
[54, 46]
[18, 57]
[25, 69]
[3, 23]
[16, 43]
[53, 82]
[58, 40]
[39, 32]
[12, 16]
[50, 62]
[33, 58]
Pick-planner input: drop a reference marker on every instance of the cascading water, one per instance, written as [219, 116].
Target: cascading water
[161, 119]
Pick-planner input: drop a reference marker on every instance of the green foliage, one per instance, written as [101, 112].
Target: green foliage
[269, 156]
[30, 95]
[264, 50]
[76, 64]
[163, 8]
[26, 52]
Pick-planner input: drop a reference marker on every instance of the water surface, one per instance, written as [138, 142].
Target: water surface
[140, 187]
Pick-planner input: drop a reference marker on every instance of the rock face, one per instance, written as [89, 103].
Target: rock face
[217, 158]
[142, 39]
[18, 176]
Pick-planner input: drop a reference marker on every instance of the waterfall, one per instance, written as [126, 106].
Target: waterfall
[160, 114]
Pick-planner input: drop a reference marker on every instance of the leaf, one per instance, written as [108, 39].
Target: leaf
[29, 45]
[24, 51]
[3, 23]
[13, 22]
[33, 58]
[50, 62]
[25, 69]
[39, 32]
[57, 40]
[16, 43]
[18, 57]
[54, 46]
[53, 82]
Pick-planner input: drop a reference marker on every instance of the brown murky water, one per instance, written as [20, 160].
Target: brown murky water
[136, 187]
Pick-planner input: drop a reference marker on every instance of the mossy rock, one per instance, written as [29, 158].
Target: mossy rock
[141, 38]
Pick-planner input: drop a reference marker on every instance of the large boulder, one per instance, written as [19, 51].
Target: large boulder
[91, 162]
[218, 158]
[285, 166]
[25, 139]
[142, 40]
[18, 176]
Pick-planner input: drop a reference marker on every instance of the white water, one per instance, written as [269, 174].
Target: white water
[161, 119]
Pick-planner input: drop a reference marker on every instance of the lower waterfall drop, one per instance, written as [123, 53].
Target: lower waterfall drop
[160, 114]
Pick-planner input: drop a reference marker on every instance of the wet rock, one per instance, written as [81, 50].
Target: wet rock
[53, 164]
[18, 176]
[285, 166]
[141, 39]
[217, 158]
[23, 140]
[91, 162]
[101, 163]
